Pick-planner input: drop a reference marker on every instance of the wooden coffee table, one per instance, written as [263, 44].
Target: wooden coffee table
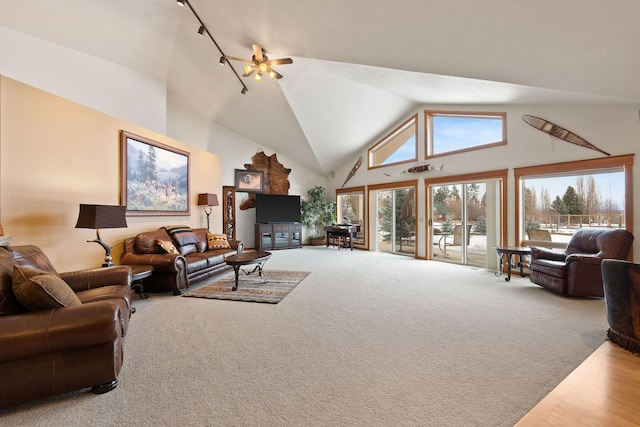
[246, 258]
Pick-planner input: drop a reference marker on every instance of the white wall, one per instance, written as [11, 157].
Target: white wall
[137, 98]
[611, 127]
[93, 82]
[235, 150]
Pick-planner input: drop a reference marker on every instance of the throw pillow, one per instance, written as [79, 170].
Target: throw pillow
[217, 241]
[166, 247]
[40, 290]
[181, 234]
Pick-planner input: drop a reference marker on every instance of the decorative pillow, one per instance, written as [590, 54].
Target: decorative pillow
[182, 234]
[40, 290]
[217, 241]
[166, 247]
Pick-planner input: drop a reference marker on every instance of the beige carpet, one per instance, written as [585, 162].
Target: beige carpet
[367, 339]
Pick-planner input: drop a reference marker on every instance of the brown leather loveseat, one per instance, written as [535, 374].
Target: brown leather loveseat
[180, 256]
[59, 332]
[577, 270]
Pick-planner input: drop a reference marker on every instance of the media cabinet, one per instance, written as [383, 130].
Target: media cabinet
[278, 236]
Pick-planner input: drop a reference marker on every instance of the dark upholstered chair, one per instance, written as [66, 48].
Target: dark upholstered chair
[621, 281]
[576, 271]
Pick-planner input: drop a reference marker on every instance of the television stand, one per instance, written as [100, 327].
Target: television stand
[278, 236]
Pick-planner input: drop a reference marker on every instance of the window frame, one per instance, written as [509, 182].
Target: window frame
[428, 124]
[624, 161]
[412, 121]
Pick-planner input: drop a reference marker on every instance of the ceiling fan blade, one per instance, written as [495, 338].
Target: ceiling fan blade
[238, 59]
[257, 52]
[274, 74]
[282, 61]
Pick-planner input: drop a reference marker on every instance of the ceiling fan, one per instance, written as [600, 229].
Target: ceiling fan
[261, 64]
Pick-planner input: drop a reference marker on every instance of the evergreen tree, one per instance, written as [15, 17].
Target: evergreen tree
[571, 201]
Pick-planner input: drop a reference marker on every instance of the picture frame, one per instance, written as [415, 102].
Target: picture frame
[249, 181]
[155, 178]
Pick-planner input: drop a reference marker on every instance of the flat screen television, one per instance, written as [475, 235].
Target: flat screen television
[277, 208]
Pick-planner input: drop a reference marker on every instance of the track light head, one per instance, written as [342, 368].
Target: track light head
[181, 2]
[222, 61]
[202, 30]
[244, 90]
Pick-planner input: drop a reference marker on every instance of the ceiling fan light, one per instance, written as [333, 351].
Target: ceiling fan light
[247, 69]
[272, 74]
[263, 67]
[258, 77]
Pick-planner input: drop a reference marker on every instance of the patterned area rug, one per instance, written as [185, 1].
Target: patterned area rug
[251, 288]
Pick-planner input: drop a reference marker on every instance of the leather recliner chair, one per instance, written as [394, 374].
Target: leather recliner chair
[45, 352]
[577, 270]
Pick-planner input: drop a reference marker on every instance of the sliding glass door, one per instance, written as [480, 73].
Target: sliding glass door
[396, 222]
[465, 222]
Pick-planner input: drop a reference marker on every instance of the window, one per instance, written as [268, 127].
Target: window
[561, 198]
[452, 132]
[398, 147]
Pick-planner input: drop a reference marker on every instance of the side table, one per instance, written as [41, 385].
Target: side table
[139, 272]
[508, 252]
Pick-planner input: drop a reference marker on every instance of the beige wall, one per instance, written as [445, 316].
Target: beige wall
[56, 154]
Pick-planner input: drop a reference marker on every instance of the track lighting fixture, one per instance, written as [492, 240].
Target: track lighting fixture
[202, 30]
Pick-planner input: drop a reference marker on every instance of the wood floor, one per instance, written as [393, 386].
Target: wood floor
[603, 391]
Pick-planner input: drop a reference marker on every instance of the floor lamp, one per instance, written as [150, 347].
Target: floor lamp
[102, 216]
[207, 200]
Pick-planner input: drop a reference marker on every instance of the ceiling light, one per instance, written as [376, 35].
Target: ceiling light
[272, 74]
[202, 30]
[263, 67]
[247, 69]
[258, 77]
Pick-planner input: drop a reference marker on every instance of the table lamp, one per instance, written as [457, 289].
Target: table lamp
[102, 216]
[207, 200]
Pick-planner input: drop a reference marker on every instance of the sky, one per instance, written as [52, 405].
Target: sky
[610, 186]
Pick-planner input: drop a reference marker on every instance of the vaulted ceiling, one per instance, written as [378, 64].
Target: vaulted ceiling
[360, 66]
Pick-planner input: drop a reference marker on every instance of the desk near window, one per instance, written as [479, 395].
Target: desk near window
[342, 233]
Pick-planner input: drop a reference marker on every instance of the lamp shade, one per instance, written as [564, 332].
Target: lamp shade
[101, 216]
[207, 199]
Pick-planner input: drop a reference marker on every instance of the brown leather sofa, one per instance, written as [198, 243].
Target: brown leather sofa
[577, 270]
[49, 351]
[175, 272]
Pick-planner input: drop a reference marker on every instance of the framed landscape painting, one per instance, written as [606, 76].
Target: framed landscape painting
[155, 177]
